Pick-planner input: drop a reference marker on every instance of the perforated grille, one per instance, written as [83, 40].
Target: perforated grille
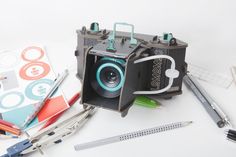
[156, 74]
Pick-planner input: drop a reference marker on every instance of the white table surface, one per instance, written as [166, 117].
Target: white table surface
[207, 26]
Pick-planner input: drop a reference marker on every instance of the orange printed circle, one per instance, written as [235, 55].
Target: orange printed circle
[24, 52]
[25, 76]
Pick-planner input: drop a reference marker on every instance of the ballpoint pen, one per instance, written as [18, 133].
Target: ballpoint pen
[208, 102]
[39, 106]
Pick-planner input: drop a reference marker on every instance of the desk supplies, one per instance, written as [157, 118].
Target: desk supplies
[51, 135]
[131, 135]
[8, 124]
[233, 70]
[52, 90]
[56, 117]
[10, 129]
[208, 103]
[231, 135]
[29, 77]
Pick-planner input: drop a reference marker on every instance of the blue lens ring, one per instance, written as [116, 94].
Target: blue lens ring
[102, 84]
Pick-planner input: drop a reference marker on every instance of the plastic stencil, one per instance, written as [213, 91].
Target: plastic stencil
[210, 77]
[233, 70]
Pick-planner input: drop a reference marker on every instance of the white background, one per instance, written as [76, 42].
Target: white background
[208, 27]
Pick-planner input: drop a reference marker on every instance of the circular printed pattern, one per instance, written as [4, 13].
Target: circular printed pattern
[13, 96]
[34, 71]
[37, 89]
[31, 50]
[7, 59]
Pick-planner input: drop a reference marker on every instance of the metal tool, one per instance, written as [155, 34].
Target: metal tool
[131, 135]
[53, 134]
[40, 105]
[208, 102]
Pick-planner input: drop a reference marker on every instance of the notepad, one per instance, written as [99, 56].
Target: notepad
[29, 77]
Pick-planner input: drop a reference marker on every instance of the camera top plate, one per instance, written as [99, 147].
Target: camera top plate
[122, 46]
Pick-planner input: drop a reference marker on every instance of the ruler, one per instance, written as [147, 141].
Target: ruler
[210, 77]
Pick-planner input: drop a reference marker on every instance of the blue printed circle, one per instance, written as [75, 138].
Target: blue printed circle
[18, 94]
[29, 89]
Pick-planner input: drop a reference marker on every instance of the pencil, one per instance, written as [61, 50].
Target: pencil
[56, 117]
[10, 129]
[3, 122]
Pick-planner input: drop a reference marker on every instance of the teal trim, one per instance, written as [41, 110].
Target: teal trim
[101, 83]
[133, 41]
[111, 45]
[167, 36]
[96, 27]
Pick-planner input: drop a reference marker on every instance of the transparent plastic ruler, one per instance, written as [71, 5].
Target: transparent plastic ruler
[233, 70]
[131, 135]
[210, 77]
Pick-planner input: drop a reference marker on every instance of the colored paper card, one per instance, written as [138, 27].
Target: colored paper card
[29, 77]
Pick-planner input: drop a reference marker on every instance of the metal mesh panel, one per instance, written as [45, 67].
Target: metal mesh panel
[156, 74]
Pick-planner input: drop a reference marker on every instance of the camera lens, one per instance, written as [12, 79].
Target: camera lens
[110, 77]
[107, 77]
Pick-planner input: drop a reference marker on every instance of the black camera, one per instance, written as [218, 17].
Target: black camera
[114, 67]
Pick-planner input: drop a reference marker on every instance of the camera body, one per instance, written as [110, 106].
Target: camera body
[114, 67]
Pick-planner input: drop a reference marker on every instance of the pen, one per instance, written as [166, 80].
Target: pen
[39, 106]
[56, 117]
[212, 102]
[208, 103]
